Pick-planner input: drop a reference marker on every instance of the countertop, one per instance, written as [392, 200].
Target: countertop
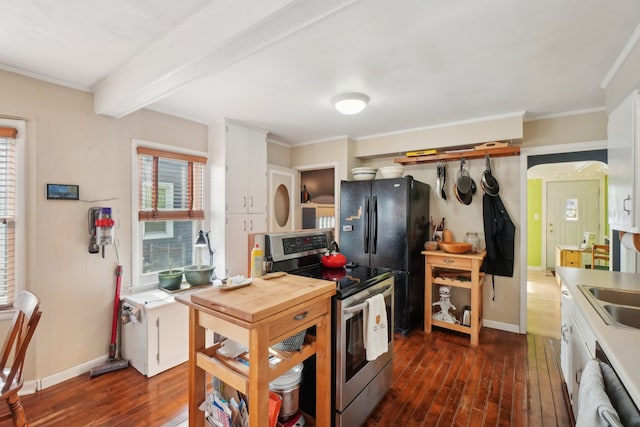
[621, 345]
[262, 298]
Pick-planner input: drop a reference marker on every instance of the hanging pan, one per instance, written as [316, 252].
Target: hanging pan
[464, 179]
[488, 182]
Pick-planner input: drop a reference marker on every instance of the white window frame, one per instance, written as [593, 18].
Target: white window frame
[21, 212]
[140, 281]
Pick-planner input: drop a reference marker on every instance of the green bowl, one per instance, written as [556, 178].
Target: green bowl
[170, 279]
[197, 275]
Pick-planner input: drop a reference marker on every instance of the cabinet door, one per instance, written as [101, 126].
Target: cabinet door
[565, 337]
[246, 170]
[256, 172]
[579, 357]
[622, 150]
[168, 338]
[239, 226]
[237, 167]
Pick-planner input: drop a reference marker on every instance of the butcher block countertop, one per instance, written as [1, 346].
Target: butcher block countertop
[261, 299]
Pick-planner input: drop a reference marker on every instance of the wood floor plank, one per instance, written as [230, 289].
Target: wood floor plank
[438, 380]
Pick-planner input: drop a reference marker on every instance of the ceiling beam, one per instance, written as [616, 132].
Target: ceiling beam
[220, 35]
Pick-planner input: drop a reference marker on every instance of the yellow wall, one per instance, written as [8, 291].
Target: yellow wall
[68, 143]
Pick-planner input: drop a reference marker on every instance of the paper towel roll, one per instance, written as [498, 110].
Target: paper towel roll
[631, 241]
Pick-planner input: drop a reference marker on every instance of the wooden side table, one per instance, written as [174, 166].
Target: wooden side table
[258, 316]
[456, 270]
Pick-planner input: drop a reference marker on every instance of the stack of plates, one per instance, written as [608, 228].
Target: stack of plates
[363, 174]
[394, 171]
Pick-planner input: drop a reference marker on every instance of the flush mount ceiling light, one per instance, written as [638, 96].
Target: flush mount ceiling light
[350, 103]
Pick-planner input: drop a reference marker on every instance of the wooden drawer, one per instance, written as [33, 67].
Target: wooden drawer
[450, 262]
[293, 320]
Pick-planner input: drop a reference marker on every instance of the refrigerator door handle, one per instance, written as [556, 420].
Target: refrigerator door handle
[366, 225]
[374, 225]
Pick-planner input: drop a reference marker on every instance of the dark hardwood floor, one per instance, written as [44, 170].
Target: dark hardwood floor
[439, 380]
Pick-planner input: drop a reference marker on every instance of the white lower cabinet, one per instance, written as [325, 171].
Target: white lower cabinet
[159, 338]
[566, 326]
[577, 346]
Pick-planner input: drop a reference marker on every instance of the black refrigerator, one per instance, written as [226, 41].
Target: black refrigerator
[384, 223]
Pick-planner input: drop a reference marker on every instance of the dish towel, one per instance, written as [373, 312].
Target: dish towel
[594, 406]
[375, 327]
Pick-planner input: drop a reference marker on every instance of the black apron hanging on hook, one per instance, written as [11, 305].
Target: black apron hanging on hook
[499, 232]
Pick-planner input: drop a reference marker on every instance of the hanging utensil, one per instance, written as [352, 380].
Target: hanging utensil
[443, 173]
[488, 182]
[438, 180]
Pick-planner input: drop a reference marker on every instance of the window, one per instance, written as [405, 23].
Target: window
[8, 214]
[170, 209]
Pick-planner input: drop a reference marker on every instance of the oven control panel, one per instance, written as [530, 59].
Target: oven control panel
[284, 246]
[294, 245]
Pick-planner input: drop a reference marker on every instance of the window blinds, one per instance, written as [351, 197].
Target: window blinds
[170, 185]
[7, 215]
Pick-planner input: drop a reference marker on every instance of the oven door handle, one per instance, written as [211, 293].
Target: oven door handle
[359, 307]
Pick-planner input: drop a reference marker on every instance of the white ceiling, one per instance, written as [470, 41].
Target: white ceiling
[276, 64]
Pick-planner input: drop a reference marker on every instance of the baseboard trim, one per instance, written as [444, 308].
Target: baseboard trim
[33, 386]
[507, 327]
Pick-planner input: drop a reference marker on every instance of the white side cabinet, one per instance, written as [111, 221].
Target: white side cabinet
[577, 346]
[566, 328]
[246, 192]
[159, 338]
[623, 146]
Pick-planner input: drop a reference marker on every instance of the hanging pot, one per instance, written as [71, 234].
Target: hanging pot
[333, 258]
[488, 182]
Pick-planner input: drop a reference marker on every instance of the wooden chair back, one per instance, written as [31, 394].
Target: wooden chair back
[601, 253]
[25, 321]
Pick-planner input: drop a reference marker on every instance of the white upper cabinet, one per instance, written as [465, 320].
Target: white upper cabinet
[623, 149]
[246, 168]
[246, 193]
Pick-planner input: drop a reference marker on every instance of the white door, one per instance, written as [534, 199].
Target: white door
[572, 208]
[281, 199]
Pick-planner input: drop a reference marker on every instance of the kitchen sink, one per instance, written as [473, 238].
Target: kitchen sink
[625, 315]
[617, 307]
[616, 296]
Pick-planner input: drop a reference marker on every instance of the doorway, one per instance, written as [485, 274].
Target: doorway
[540, 293]
[572, 209]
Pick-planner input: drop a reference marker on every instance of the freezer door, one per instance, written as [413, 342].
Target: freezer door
[409, 301]
[355, 201]
[389, 225]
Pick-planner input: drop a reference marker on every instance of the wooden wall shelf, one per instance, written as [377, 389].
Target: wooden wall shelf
[461, 154]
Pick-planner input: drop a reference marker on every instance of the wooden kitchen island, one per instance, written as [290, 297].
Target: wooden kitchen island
[258, 316]
[455, 270]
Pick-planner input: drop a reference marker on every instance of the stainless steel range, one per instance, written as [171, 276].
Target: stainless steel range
[358, 384]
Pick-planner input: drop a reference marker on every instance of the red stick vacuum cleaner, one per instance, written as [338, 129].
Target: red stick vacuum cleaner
[113, 363]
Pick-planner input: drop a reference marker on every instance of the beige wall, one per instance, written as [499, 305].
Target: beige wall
[566, 129]
[68, 143]
[505, 309]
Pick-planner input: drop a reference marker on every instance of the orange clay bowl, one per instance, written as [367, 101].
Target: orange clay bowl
[455, 247]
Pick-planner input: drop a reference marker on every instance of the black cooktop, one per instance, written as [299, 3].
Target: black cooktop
[349, 281]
